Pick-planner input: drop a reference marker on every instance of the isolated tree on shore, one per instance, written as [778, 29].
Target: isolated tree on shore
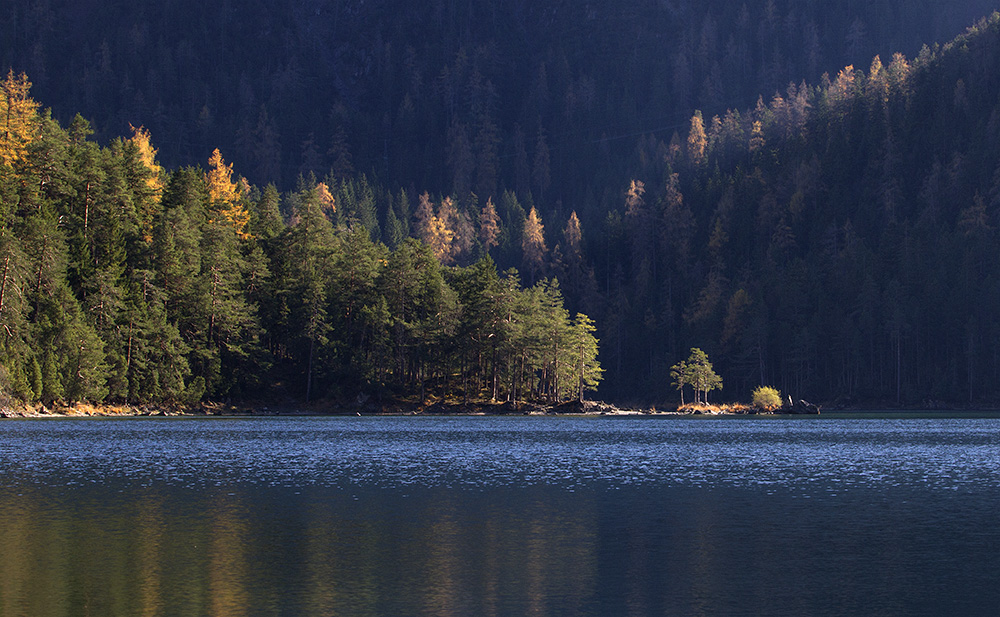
[696, 372]
[701, 376]
[678, 377]
[583, 352]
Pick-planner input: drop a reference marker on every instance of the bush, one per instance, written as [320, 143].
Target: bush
[766, 397]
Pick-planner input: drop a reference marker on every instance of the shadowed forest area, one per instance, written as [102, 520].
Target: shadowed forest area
[328, 198]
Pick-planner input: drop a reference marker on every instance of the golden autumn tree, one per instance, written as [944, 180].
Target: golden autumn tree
[154, 183]
[573, 235]
[533, 244]
[19, 118]
[327, 202]
[147, 154]
[489, 226]
[437, 229]
[756, 136]
[442, 233]
[224, 194]
[423, 219]
[697, 140]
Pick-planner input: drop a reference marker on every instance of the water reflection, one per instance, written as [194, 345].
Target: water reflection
[122, 557]
[497, 518]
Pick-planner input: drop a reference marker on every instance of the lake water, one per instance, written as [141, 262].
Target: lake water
[499, 516]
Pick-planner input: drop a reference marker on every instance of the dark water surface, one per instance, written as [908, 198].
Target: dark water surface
[500, 516]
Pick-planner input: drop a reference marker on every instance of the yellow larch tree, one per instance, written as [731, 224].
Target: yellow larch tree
[326, 199]
[19, 118]
[533, 244]
[489, 225]
[442, 232]
[222, 191]
[697, 140]
[147, 156]
[220, 179]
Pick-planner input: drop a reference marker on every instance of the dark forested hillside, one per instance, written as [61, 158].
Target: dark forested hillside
[839, 240]
[834, 237]
[440, 95]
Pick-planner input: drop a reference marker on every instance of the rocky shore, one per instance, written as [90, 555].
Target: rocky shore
[371, 407]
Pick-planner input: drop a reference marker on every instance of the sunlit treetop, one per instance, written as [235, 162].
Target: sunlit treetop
[19, 122]
[326, 199]
[147, 154]
[224, 194]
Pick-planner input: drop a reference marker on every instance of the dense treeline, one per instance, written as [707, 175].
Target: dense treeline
[124, 282]
[836, 240]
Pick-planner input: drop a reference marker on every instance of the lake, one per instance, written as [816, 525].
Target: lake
[500, 516]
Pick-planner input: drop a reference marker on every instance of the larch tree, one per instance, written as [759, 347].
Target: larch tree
[454, 234]
[442, 233]
[147, 154]
[697, 141]
[489, 226]
[573, 237]
[533, 244]
[19, 122]
[423, 219]
[225, 196]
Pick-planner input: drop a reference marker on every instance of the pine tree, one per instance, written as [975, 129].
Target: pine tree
[699, 374]
[266, 221]
[16, 355]
[305, 286]
[678, 378]
[358, 312]
[156, 365]
[583, 347]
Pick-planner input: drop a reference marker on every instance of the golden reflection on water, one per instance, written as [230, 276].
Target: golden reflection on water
[320, 559]
[228, 559]
[218, 554]
[149, 557]
[15, 574]
[443, 562]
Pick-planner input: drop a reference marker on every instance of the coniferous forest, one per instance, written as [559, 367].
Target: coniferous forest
[309, 200]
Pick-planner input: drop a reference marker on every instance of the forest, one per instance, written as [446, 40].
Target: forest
[121, 281]
[836, 239]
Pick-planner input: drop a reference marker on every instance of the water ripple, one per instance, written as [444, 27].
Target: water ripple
[818, 457]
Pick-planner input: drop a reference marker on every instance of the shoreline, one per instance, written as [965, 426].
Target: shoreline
[359, 408]
[442, 409]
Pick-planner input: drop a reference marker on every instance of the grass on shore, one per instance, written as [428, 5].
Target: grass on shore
[721, 408]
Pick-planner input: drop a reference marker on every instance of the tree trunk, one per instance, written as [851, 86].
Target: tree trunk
[3, 281]
[309, 370]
